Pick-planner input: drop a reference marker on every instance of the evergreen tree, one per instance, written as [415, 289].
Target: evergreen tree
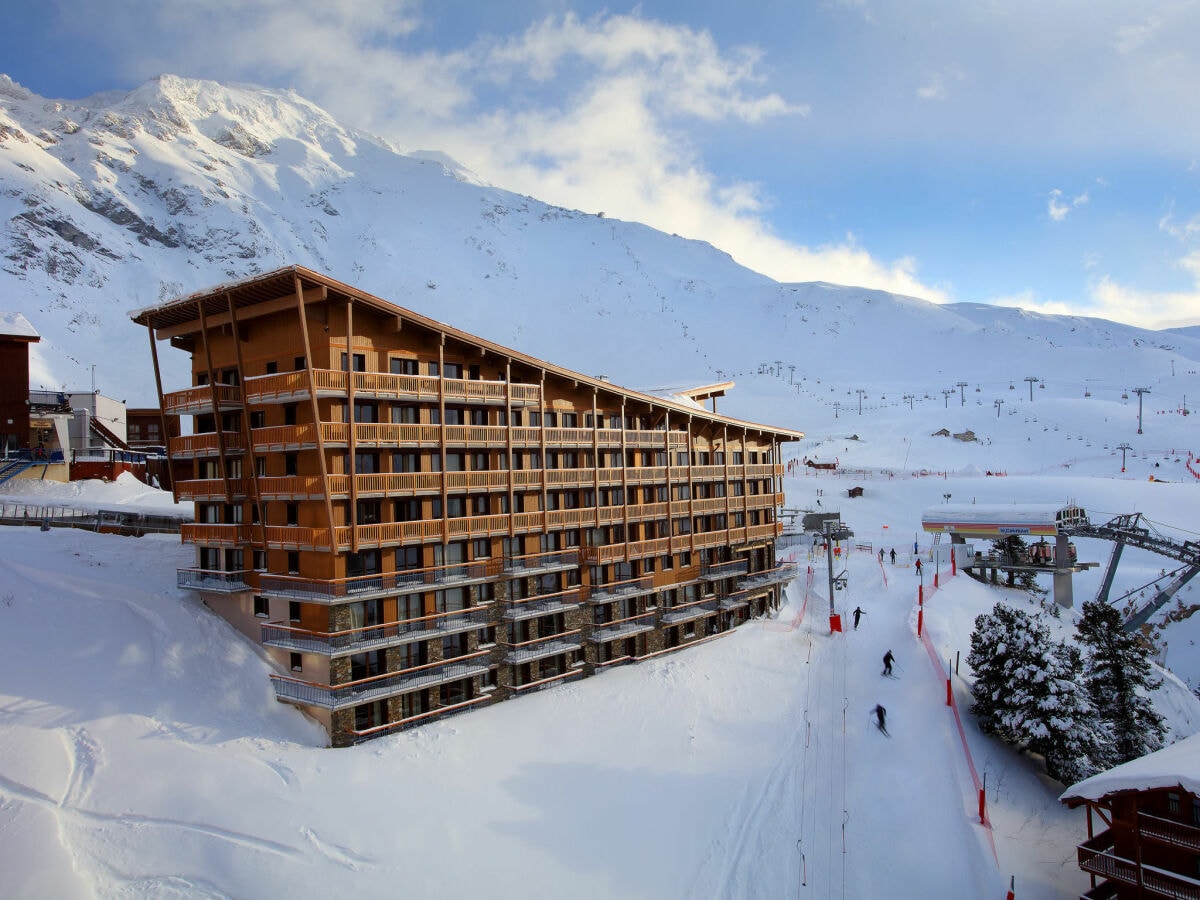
[1119, 678]
[1027, 693]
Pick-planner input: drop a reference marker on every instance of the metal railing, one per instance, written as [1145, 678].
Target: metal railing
[621, 628]
[378, 687]
[365, 587]
[688, 611]
[212, 580]
[540, 648]
[276, 634]
[717, 571]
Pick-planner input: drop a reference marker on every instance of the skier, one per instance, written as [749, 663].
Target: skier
[880, 718]
[918, 566]
[888, 659]
[881, 556]
[857, 614]
[893, 556]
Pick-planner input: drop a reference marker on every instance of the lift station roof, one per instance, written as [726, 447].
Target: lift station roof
[994, 520]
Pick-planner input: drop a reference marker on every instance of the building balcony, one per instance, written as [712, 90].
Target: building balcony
[1168, 831]
[542, 683]
[778, 575]
[540, 563]
[687, 612]
[289, 387]
[373, 637]
[367, 587]
[618, 590]
[210, 535]
[192, 446]
[622, 628]
[378, 687]
[646, 474]
[736, 600]
[542, 605]
[541, 648]
[1096, 857]
[210, 489]
[217, 582]
[202, 399]
[717, 571]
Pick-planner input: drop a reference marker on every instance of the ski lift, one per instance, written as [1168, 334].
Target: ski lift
[1011, 386]
[977, 389]
[1086, 392]
[1124, 395]
[1042, 386]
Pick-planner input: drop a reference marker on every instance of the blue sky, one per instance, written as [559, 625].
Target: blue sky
[1039, 154]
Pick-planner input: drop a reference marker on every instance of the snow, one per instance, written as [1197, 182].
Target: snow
[142, 751]
[14, 324]
[1175, 766]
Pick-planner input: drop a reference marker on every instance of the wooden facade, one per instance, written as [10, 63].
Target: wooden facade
[416, 521]
[14, 386]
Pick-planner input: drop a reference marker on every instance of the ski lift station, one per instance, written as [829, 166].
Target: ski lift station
[1049, 524]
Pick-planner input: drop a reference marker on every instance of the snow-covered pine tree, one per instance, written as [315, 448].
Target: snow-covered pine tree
[1119, 677]
[1027, 693]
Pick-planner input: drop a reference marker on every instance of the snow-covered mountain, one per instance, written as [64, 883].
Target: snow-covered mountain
[118, 201]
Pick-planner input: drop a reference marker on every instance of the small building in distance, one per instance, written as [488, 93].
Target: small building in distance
[1143, 825]
[16, 334]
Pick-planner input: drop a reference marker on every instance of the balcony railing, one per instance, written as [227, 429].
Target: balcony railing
[215, 535]
[616, 590]
[717, 571]
[212, 580]
[378, 687]
[736, 600]
[206, 489]
[541, 648]
[543, 683]
[206, 444]
[199, 399]
[542, 605]
[288, 386]
[373, 637]
[686, 612]
[541, 563]
[366, 587]
[1170, 832]
[440, 712]
[622, 628]
[1097, 858]
[778, 575]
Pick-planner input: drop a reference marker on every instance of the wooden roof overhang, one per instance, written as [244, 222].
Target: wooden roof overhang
[179, 319]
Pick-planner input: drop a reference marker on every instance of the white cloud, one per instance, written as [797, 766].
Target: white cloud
[1131, 37]
[1057, 210]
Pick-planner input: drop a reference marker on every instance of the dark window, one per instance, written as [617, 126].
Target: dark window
[293, 513]
[454, 370]
[260, 607]
[293, 611]
[403, 366]
[272, 367]
[293, 562]
[295, 662]
[298, 363]
[360, 362]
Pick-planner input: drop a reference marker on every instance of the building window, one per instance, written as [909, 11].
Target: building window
[408, 558]
[401, 366]
[481, 548]
[290, 464]
[1173, 803]
[298, 363]
[293, 513]
[261, 609]
[293, 562]
[360, 362]
[260, 560]
[433, 369]
[296, 662]
[272, 367]
[293, 611]
[405, 415]
[454, 370]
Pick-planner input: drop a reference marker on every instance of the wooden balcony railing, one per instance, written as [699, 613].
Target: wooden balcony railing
[366, 587]
[208, 489]
[199, 399]
[215, 535]
[206, 444]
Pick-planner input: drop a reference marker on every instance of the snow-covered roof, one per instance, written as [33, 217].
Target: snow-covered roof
[13, 324]
[998, 518]
[1175, 766]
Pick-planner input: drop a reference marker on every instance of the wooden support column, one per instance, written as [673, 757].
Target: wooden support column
[508, 449]
[247, 436]
[625, 477]
[442, 434]
[352, 439]
[542, 445]
[316, 410]
[222, 463]
[691, 489]
[596, 423]
[162, 413]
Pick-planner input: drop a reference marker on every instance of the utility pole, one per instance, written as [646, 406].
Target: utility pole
[836, 406]
[1139, 392]
[860, 396]
[791, 374]
[1123, 447]
[961, 392]
[834, 531]
[1031, 380]
[946, 395]
[909, 398]
[998, 404]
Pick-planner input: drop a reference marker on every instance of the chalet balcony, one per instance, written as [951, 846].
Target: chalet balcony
[1167, 831]
[618, 590]
[717, 571]
[541, 648]
[289, 387]
[1096, 857]
[200, 399]
[646, 474]
[394, 534]
[217, 582]
[542, 605]
[281, 438]
[373, 637]
[367, 587]
[378, 687]
[736, 600]
[540, 563]
[210, 535]
[210, 489]
[622, 628]
[687, 612]
[192, 446]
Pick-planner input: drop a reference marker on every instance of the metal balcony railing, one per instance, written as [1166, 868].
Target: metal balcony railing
[378, 687]
[541, 648]
[542, 605]
[717, 571]
[622, 628]
[373, 637]
[686, 612]
[777, 575]
[616, 590]
[543, 683]
[1170, 832]
[212, 580]
[366, 587]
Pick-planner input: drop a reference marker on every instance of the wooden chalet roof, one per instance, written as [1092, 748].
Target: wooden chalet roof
[182, 316]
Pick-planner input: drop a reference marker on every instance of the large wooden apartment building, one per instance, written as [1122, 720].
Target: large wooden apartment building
[415, 521]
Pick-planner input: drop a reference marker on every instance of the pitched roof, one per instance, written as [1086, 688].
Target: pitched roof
[13, 324]
[1175, 766]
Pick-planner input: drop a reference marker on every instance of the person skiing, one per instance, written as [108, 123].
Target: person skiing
[893, 556]
[858, 613]
[888, 659]
[881, 556]
[918, 566]
[880, 718]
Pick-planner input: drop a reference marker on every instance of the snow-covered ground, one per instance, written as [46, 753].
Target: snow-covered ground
[142, 751]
